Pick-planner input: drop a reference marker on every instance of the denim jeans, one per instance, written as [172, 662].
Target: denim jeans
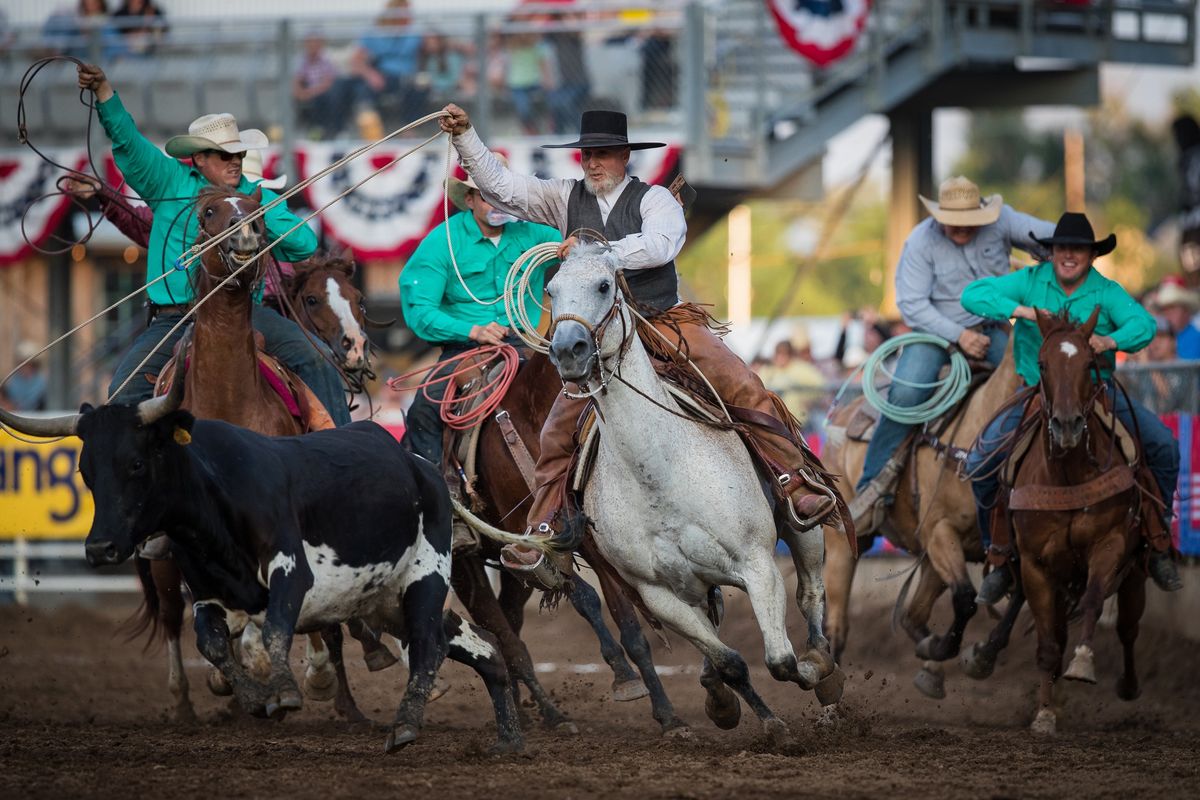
[918, 363]
[284, 339]
[1158, 444]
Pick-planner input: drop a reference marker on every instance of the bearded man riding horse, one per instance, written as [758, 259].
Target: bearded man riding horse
[1069, 284]
[646, 230]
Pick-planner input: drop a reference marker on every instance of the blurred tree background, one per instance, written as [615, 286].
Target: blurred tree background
[1131, 188]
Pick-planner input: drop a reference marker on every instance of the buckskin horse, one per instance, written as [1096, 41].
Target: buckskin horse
[1074, 509]
[678, 506]
[933, 516]
[225, 380]
[506, 496]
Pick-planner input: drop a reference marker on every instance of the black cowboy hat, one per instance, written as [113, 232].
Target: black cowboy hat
[604, 129]
[1074, 228]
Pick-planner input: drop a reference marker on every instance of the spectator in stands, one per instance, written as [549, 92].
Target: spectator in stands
[526, 74]
[1162, 391]
[26, 389]
[72, 33]
[658, 70]
[793, 376]
[386, 62]
[320, 99]
[1177, 305]
[573, 85]
[142, 23]
[446, 68]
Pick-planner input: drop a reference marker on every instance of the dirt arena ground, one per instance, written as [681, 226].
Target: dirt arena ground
[82, 714]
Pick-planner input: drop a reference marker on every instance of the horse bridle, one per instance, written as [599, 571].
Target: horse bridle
[227, 261]
[1097, 393]
[596, 333]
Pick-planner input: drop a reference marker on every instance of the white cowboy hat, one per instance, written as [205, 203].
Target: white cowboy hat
[457, 190]
[959, 203]
[1172, 294]
[216, 132]
[252, 168]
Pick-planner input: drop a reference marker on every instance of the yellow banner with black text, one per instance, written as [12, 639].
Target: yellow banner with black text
[42, 495]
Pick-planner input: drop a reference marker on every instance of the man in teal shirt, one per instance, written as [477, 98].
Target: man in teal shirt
[457, 301]
[452, 294]
[169, 187]
[1069, 283]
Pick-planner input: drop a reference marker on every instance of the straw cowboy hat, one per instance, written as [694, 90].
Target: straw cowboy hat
[457, 190]
[604, 129]
[216, 132]
[959, 204]
[1172, 294]
[252, 168]
[26, 350]
[1073, 228]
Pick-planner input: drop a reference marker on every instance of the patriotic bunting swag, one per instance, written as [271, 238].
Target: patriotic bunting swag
[820, 30]
[384, 218]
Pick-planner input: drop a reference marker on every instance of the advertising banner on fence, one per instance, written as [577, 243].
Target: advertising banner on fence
[42, 495]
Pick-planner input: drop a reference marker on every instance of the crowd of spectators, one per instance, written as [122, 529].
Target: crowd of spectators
[132, 29]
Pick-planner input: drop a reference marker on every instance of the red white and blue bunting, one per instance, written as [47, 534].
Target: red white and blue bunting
[385, 218]
[820, 30]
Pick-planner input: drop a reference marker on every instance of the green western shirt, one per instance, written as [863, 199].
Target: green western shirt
[437, 307]
[170, 187]
[1121, 317]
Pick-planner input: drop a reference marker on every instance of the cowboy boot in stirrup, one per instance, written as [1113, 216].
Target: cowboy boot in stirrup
[1162, 570]
[464, 540]
[532, 566]
[869, 507]
[999, 581]
[808, 502]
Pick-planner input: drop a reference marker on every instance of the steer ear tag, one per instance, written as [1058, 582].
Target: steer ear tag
[182, 436]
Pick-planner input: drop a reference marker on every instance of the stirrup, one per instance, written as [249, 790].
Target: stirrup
[826, 505]
[1162, 570]
[464, 540]
[995, 586]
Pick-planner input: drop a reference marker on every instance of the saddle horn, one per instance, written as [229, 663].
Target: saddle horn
[154, 409]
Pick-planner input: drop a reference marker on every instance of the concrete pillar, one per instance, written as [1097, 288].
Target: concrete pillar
[912, 173]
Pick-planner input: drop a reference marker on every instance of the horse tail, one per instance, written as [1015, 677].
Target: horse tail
[146, 618]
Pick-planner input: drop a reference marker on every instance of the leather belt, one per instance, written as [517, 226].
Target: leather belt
[155, 309]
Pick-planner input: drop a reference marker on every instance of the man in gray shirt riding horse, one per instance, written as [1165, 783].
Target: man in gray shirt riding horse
[966, 238]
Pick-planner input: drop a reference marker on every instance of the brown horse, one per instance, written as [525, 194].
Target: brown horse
[507, 500]
[223, 381]
[1082, 553]
[937, 520]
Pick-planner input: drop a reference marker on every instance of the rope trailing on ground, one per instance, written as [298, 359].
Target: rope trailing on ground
[946, 391]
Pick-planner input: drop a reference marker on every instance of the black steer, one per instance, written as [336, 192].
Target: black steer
[296, 533]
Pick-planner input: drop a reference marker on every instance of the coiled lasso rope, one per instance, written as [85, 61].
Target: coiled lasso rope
[946, 392]
[516, 287]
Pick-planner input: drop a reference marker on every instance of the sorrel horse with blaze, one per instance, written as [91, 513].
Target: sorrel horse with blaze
[1077, 555]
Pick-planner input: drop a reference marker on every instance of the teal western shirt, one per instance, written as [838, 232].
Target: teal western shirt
[437, 307]
[1121, 317]
[170, 187]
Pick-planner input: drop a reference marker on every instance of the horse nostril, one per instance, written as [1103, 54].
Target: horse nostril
[579, 349]
[346, 343]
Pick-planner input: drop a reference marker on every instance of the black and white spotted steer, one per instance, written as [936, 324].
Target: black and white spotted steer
[298, 533]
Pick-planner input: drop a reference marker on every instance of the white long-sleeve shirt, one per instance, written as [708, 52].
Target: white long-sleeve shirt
[545, 200]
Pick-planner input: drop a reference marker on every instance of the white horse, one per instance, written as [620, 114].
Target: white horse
[678, 507]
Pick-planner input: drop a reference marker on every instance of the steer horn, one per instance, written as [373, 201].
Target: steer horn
[47, 426]
[154, 409]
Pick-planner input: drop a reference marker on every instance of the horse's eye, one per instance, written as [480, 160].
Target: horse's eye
[310, 300]
[604, 287]
[208, 212]
[549, 293]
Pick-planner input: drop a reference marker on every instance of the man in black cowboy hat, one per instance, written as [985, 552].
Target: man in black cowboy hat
[1068, 283]
[646, 229]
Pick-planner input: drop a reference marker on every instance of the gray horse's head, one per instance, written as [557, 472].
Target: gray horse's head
[586, 326]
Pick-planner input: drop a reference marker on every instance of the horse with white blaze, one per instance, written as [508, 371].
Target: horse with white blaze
[294, 533]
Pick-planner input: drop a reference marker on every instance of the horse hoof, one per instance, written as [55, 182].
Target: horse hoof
[629, 690]
[1083, 665]
[379, 659]
[400, 736]
[977, 664]
[807, 675]
[777, 731]
[723, 708]
[925, 647]
[931, 682]
[567, 728]
[290, 700]
[821, 659]
[217, 683]
[507, 747]
[1045, 723]
[1128, 690]
[440, 687]
[677, 730]
[829, 689]
[320, 684]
